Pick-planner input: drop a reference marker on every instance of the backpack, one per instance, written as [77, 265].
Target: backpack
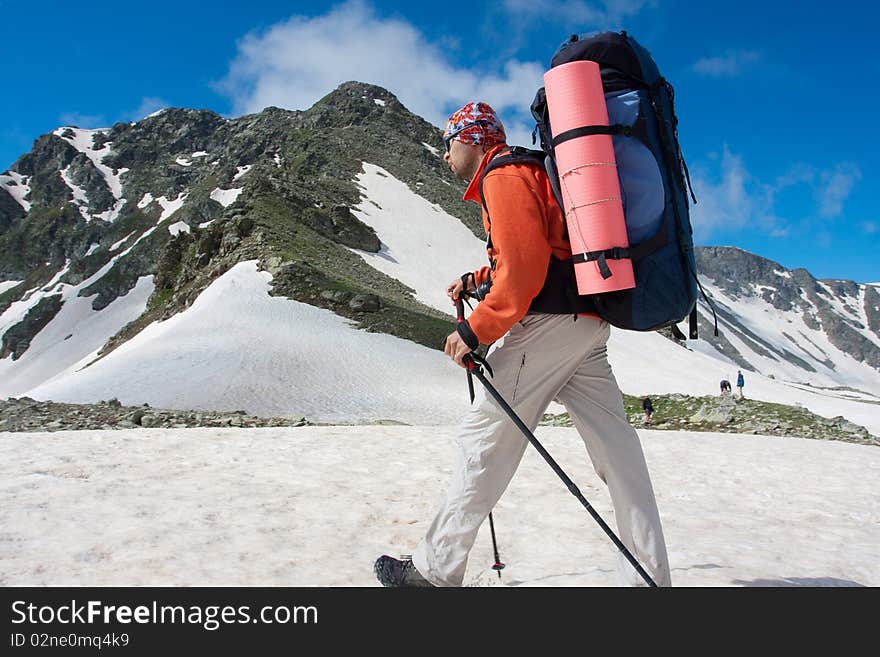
[652, 175]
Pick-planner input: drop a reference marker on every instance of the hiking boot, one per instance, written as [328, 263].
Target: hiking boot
[398, 573]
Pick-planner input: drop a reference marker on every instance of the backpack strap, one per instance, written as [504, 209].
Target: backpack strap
[520, 155]
[515, 155]
[588, 130]
[559, 294]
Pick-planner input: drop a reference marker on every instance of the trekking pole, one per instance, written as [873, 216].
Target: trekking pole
[497, 566]
[459, 304]
[471, 360]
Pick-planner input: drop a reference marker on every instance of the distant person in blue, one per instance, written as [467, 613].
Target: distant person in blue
[740, 382]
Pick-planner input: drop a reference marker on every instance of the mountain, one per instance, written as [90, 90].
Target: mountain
[789, 324]
[294, 262]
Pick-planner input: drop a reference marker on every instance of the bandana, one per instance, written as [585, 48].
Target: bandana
[476, 123]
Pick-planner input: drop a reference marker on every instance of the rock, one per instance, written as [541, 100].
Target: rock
[368, 303]
[336, 296]
[150, 420]
[717, 410]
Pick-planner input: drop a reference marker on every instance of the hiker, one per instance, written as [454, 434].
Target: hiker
[648, 408]
[725, 386]
[740, 382]
[537, 357]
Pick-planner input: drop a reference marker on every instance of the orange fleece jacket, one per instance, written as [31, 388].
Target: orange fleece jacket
[527, 225]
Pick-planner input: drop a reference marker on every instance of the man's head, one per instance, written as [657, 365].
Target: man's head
[469, 133]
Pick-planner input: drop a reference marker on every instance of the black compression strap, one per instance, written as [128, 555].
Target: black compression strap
[603, 266]
[586, 131]
[617, 253]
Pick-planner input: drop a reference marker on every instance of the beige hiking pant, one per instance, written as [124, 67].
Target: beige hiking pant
[541, 359]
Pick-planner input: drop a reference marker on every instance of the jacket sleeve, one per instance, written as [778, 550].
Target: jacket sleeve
[521, 251]
[481, 275]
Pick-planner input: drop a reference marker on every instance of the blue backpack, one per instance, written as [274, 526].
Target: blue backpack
[653, 178]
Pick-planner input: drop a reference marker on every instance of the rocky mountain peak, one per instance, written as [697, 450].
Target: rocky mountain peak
[845, 311]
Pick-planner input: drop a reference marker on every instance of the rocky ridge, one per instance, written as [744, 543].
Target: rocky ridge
[730, 414]
[844, 311]
[25, 414]
[675, 412]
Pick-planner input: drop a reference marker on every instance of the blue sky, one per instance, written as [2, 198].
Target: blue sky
[776, 106]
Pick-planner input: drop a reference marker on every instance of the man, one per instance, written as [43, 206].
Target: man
[648, 408]
[543, 350]
[740, 382]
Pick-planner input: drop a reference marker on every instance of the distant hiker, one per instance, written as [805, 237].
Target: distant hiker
[740, 382]
[725, 386]
[648, 408]
[548, 353]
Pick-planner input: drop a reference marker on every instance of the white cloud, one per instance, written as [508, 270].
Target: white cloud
[870, 227]
[836, 186]
[731, 63]
[295, 63]
[732, 199]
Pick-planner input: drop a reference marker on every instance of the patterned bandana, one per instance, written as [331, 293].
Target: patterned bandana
[476, 123]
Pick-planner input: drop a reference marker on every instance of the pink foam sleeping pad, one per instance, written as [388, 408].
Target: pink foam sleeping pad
[588, 174]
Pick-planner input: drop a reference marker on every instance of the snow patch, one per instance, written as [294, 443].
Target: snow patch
[179, 227]
[226, 197]
[170, 207]
[73, 338]
[83, 141]
[8, 285]
[379, 102]
[241, 171]
[111, 215]
[16, 184]
[80, 198]
[199, 154]
[92, 248]
[145, 200]
[183, 162]
[784, 274]
[278, 160]
[18, 309]
[431, 148]
[122, 241]
[421, 247]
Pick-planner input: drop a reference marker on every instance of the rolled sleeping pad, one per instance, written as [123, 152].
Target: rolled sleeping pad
[588, 175]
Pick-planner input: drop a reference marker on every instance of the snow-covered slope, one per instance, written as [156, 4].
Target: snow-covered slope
[237, 347]
[83, 141]
[782, 343]
[315, 506]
